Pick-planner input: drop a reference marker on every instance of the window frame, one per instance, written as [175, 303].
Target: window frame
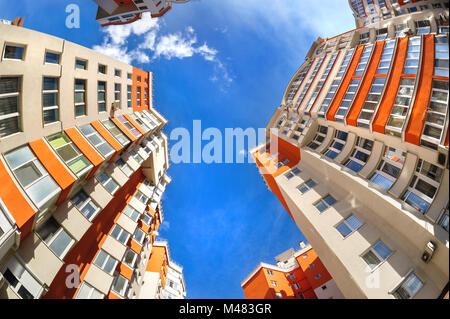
[51, 107]
[17, 114]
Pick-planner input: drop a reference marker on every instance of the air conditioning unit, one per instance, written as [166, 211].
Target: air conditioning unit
[429, 251]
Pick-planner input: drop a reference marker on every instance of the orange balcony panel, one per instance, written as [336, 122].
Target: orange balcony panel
[345, 83]
[136, 125]
[363, 91]
[135, 246]
[392, 84]
[418, 113]
[106, 135]
[89, 151]
[125, 271]
[112, 295]
[124, 129]
[16, 203]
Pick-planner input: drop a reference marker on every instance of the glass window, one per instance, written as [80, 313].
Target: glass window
[129, 126]
[389, 168]
[318, 139]
[132, 213]
[10, 91]
[349, 225]
[81, 64]
[147, 219]
[409, 287]
[401, 106]
[129, 101]
[295, 171]
[120, 234]
[97, 140]
[70, 154]
[109, 183]
[340, 138]
[80, 97]
[324, 203]
[13, 52]
[117, 88]
[112, 128]
[101, 96]
[21, 280]
[105, 261]
[120, 285]
[52, 57]
[376, 254]
[32, 176]
[101, 68]
[56, 238]
[360, 154]
[130, 258]
[126, 169]
[50, 99]
[85, 205]
[139, 235]
[306, 186]
[117, 72]
[86, 291]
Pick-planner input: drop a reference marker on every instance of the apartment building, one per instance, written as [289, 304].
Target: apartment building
[83, 163]
[297, 275]
[357, 152]
[114, 12]
[163, 278]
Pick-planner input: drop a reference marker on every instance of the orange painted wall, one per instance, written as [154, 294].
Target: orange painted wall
[318, 268]
[16, 203]
[143, 86]
[392, 84]
[156, 262]
[260, 287]
[84, 251]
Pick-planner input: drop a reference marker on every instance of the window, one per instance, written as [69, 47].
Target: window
[101, 68]
[422, 27]
[444, 219]
[376, 254]
[335, 85]
[146, 97]
[371, 103]
[305, 256]
[318, 139]
[409, 287]
[85, 205]
[14, 52]
[364, 38]
[97, 140]
[21, 281]
[360, 154]
[324, 203]
[120, 234]
[120, 285]
[132, 213]
[105, 261]
[386, 57]
[56, 238]
[80, 97]
[52, 57]
[117, 88]
[70, 154]
[363, 60]
[9, 105]
[81, 64]
[140, 122]
[112, 128]
[309, 81]
[441, 55]
[389, 168]
[311, 266]
[399, 29]
[349, 225]
[269, 272]
[50, 99]
[147, 219]
[138, 91]
[139, 235]
[317, 276]
[381, 34]
[129, 76]
[340, 137]
[117, 72]
[412, 56]
[126, 169]
[296, 83]
[141, 197]
[101, 96]
[32, 176]
[292, 276]
[348, 99]
[296, 286]
[130, 258]
[274, 283]
[303, 188]
[136, 156]
[282, 163]
[401, 106]
[293, 173]
[423, 187]
[129, 101]
[138, 78]
[86, 291]
[128, 125]
[109, 183]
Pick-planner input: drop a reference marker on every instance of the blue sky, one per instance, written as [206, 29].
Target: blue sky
[225, 63]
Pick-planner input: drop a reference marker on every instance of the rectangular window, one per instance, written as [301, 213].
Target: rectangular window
[363, 61]
[85, 205]
[129, 75]
[412, 56]
[139, 235]
[306, 186]
[389, 168]
[140, 122]
[274, 283]
[364, 38]
[324, 203]
[120, 285]
[130, 258]
[70, 154]
[132, 213]
[309, 81]
[423, 187]
[117, 72]
[32, 176]
[141, 197]
[96, 140]
[147, 219]
[117, 89]
[401, 106]
[129, 126]
[101, 68]
[318, 139]
[349, 225]
[293, 173]
[371, 103]
[441, 55]
[126, 169]
[80, 97]
[444, 219]
[282, 163]
[348, 99]
[10, 90]
[56, 238]
[339, 140]
[81, 64]
[129, 101]
[105, 261]
[360, 154]
[22, 281]
[409, 287]
[138, 95]
[50, 99]
[14, 52]
[86, 291]
[422, 27]
[381, 34]
[101, 96]
[146, 97]
[399, 30]
[120, 234]
[386, 57]
[52, 57]
[109, 183]
[112, 128]
[296, 83]
[376, 254]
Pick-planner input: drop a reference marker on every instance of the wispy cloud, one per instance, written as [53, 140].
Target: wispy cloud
[151, 45]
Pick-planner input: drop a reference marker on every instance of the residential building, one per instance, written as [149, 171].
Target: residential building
[83, 163]
[113, 12]
[357, 152]
[297, 275]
